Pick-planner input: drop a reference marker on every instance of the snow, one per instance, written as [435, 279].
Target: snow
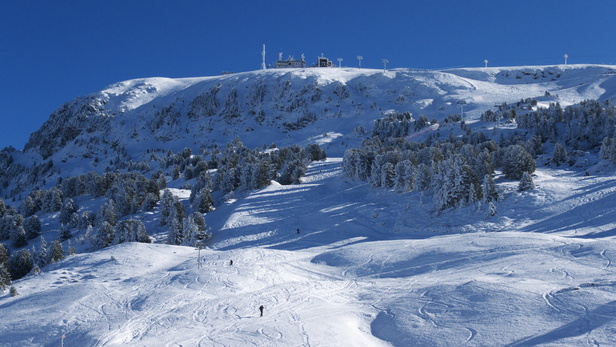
[367, 268]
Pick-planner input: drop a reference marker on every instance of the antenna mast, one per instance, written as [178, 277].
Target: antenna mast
[263, 62]
[486, 62]
[385, 61]
[566, 56]
[359, 58]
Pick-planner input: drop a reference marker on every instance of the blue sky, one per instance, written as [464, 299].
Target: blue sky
[54, 51]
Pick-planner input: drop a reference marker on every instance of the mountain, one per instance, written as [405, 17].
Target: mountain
[130, 120]
[334, 260]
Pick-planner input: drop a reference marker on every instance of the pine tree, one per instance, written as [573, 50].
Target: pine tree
[56, 253]
[387, 175]
[5, 277]
[65, 233]
[517, 160]
[20, 264]
[4, 254]
[204, 201]
[18, 236]
[131, 230]
[67, 211]
[28, 207]
[71, 249]
[607, 151]
[104, 236]
[108, 213]
[473, 197]
[375, 171]
[167, 202]
[526, 183]
[42, 256]
[33, 227]
[85, 220]
[488, 189]
[175, 222]
[52, 200]
[560, 154]
[423, 177]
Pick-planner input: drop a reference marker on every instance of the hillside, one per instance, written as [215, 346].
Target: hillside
[364, 270]
[343, 255]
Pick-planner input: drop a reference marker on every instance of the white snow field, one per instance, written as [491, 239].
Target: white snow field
[367, 268]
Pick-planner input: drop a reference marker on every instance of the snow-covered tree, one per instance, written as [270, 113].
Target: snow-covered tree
[560, 154]
[28, 207]
[56, 252]
[65, 232]
[20, 264]
[526, 182]
[52, 200]
[175, 223]
[42, 257]
[4, 254]
[18, 236]
[488, 189]
[5, 277]
[32, 226]
[516, 161]
[423, 177]
[608, 149]
[107, 213]
[194, 229]
[104, 236]
[167, 202]
[131, 230]
[67, 211]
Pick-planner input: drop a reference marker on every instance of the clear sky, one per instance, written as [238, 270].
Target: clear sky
[54, 51]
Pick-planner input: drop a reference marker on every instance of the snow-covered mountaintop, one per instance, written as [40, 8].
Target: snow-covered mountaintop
[290, 106]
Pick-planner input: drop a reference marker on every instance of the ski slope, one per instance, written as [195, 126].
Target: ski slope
[367, 268]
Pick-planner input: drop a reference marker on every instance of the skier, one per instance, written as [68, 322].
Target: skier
[231, 262]
[261, 309]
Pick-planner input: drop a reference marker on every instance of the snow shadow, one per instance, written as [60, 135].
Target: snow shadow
[602, 315]
[297, 217]
[421, 264]
[596, 216]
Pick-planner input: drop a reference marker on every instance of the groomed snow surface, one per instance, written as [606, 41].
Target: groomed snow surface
[367, 268]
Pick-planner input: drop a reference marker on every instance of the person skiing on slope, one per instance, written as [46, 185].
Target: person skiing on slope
[261, 309]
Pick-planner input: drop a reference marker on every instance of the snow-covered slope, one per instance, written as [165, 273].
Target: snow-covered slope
[367, 268]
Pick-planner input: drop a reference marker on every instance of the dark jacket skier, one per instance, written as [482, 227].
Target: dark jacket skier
[261, 309]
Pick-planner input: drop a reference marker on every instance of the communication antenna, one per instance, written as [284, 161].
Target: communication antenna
[339, 62]
[303, 57]
[385, 61]
[359, 58]
[566, 56]
[486, 62]
[263, 62]
[280, 56]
